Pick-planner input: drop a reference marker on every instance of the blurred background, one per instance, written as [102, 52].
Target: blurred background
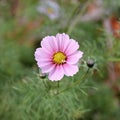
[95, 24]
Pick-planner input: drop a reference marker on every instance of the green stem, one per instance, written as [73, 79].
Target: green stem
[74, 13]
[58, 87]
[72, 24]
[46, 86]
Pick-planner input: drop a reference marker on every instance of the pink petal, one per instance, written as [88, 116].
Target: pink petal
[74, 58]
[41, 54]
[70, 70]
[48, 68]
[55, 44]
[49, 43]
[73, 46]
[43, 63]
[59, 40]
[57, 73]
[63, 41]
[45, 45]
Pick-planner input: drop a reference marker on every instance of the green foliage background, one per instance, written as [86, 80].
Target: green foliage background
[23, 95]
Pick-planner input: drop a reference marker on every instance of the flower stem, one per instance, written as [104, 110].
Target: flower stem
[73, 22]
[73, 14]
[58, 86]
[46, 85]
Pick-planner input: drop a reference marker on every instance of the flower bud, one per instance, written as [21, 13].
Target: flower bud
[42, 75]
[90, 63]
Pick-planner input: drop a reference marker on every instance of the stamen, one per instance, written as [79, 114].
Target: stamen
[59, 58]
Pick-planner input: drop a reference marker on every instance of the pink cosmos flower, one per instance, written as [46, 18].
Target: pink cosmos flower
[58, 56]
[50, 8]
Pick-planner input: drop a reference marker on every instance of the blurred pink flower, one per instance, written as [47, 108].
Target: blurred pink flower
[49, 8]
[58, 56]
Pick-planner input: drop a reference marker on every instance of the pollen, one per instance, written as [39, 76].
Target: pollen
[59, 58]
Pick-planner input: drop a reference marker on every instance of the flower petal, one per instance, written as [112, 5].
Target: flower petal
[74, 58]
[48, 68]
[41, 55]
[50, 44]
[63, 41]
[43, 63]
[55, 44]
[57, 73]
[70, 70]
[73, 46]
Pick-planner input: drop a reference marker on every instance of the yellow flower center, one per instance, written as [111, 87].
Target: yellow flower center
[50, 10]
[59, 58]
